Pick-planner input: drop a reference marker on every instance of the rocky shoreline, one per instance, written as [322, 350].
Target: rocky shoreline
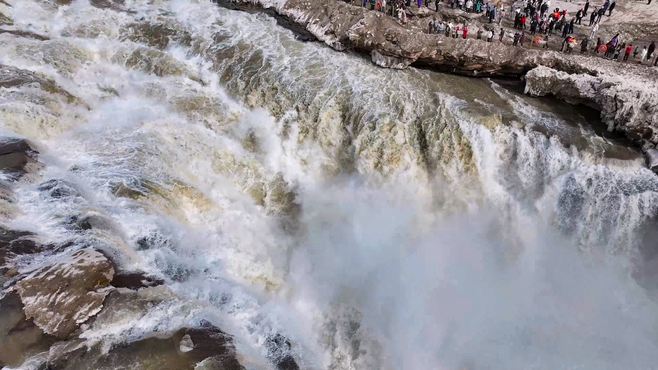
[626, 97]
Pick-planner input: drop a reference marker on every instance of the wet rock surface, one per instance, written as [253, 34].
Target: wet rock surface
[11, 77]
[202, 347]
[157, 35]
[19, 337]
[626, 99]
[117, 5]
[43, 310]
[16, 155]
[27, 34]
[13, 244]
[135, 280]
[61, 296]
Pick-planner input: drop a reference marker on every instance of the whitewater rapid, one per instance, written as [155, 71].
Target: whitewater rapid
[377, 219]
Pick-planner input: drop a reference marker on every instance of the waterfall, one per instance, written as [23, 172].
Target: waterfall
[315, 206]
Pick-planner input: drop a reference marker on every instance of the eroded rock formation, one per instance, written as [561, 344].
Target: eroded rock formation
[627, 101]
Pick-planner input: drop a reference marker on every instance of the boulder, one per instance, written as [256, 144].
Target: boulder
[63, 295]
[14, 244]
[135, 280]
[16, 156]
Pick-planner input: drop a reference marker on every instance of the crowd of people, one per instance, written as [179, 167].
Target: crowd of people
[459, 30]
[534, 22]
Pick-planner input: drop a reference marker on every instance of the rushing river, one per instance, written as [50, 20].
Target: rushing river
[377, 219]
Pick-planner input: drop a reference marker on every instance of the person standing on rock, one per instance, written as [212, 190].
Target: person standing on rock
[611, 8]
[586, 8]
[595, 29]
[564, 42]
[628, 51]
[516, 39]
[600, 13]
[551, 25]
[501, 34]
[611, 45]
[402, 15]
[618, 52]
[579, 16]
[545, 42]
[571, 42]
[522, 38]
[651, 49]
[583, 45]
[565, 32]
[592, 17]
[465, 31]
[643, 54]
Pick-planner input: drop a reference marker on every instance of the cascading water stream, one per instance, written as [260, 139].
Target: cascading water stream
[373, 219]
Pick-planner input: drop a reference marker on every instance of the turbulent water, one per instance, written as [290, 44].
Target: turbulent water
[378, 219]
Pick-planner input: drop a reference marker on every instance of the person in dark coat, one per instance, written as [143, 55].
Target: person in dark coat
[583, 45]
[586, 8]
[516, 38]
[579, 16]
[592, 17]
[652, 48]
[612, 6]
[600, 13]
